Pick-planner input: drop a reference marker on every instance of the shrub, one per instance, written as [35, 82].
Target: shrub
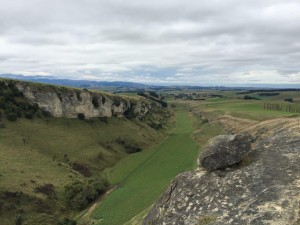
[247, 97]
[81, 116]
[155, 125]
[79, 194]
[154, 94]
[18, 219]
[2, 103]
[67, 221]
[132, 148]
[164, 104]
[289, 100]
[47, 189]
[103, 119]
[84, 170]
[11, 116]
[129, 148]
[29, 115]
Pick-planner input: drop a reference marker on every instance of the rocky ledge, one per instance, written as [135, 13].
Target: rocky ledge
[264, 188]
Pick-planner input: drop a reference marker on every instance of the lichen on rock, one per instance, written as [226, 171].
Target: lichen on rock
[265, 191]
[224, 150]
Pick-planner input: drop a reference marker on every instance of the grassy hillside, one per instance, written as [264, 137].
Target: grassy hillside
[41, 155]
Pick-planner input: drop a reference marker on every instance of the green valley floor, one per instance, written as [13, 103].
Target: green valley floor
[142, 177]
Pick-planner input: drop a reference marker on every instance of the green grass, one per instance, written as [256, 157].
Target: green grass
[249, 109]
[141, 178]
[33, 153]
[79, 140]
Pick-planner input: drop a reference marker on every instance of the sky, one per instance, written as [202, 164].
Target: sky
[193, 42]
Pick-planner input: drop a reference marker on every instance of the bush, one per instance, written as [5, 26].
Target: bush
[289, 100]
[132, 149]
[155, 125]
[103, 119]
[129, 148]
[84, 170]
[247, 97]
[47, 189]
[154, 94]
[164, 104]
[79, 194]
[81, 116]
[67, 221]
[18, 219]
[29, 115]
[12, 116]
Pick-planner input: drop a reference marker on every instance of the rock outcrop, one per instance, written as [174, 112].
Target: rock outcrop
[224, 150]
[263, 189]
[69, 102]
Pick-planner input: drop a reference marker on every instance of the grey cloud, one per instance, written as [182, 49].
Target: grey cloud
[202, 40]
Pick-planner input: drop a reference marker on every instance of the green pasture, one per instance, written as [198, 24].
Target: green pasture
[250, 109]
[142, 177]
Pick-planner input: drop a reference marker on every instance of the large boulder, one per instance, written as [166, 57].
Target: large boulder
[224, 150]
[263, 191]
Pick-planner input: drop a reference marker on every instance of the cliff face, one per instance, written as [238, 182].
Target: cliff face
[68, 102]
[264, 189]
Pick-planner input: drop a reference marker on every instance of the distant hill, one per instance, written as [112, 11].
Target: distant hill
[75, 83]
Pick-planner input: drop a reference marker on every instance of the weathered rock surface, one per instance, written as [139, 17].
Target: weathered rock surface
[68, 102]
[263, 189]
[224, 150]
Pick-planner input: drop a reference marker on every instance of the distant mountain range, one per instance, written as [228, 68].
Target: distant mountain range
[123, 86]
[75, 83]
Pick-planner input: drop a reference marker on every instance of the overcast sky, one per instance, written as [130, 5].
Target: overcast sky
[215, 42]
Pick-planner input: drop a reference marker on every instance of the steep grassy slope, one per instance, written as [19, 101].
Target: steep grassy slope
[37, 152]
[41, 155]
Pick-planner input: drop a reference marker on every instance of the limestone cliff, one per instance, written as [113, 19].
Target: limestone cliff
[69, 102]
[262, 189]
